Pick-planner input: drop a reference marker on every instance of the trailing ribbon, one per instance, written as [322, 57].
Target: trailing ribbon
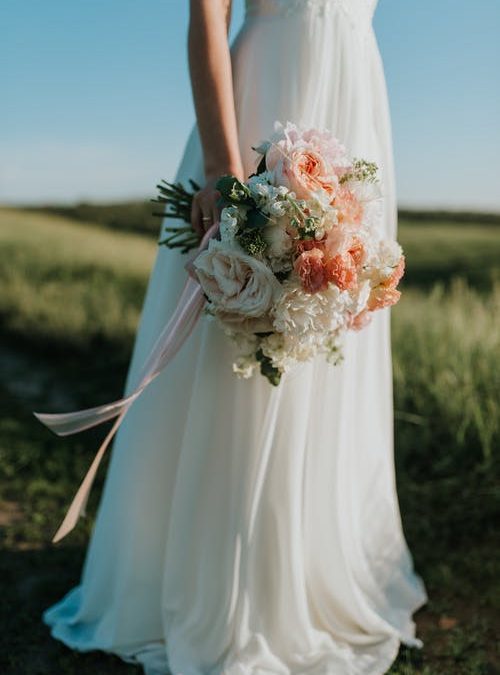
[171, 338]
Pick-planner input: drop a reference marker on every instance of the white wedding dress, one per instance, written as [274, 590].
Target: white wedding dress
[246, 529]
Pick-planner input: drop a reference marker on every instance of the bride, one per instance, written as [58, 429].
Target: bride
[246, 529]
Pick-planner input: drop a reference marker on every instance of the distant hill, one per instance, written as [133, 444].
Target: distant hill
[137, 216]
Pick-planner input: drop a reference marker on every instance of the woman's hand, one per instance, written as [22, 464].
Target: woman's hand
[205, 212]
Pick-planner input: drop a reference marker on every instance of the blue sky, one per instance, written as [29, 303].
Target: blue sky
[96, 101]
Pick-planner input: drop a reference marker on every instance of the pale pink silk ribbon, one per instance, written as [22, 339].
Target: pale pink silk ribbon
[171, 338]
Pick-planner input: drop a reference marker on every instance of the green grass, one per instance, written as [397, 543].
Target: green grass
[443, 250]
[70, 287]
[446, 349]
[48, 263]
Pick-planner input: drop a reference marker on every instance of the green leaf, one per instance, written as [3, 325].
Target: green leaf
[233, 190]
[261, 166]
[282, 275]
[267, 369]
[256, 219]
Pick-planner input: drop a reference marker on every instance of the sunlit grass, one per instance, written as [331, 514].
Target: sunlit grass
[70, 283]
[446, 348]
[439, 251]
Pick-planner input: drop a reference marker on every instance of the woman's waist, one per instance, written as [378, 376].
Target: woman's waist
[360, 12]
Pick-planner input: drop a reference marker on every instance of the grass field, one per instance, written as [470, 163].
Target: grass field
[71, 286]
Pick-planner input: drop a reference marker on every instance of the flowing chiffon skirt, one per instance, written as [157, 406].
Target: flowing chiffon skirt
[246, 529]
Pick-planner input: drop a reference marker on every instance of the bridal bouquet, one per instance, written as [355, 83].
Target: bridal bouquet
[299, 258]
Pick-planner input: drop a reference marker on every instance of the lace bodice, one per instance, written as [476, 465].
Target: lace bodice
[289, 7]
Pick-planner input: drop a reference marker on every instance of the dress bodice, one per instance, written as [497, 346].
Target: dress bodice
[360, 8]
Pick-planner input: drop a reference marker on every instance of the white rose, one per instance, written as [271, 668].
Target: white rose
[235, 282]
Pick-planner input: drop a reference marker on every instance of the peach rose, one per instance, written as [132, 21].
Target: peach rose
[311, 270]
[303, 170]
[342, 271]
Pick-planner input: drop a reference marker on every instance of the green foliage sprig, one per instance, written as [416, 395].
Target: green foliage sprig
[361, 171]
[267, 369]
[178, 202]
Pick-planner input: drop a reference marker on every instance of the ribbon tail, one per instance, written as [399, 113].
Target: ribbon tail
[77, 506]
[65, 424]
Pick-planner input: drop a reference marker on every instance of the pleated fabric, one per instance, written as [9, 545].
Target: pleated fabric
[246, 529]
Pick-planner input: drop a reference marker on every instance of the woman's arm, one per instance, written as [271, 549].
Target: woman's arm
[212, 85]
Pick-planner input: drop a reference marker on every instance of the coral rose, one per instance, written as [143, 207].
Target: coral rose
[310, 268]
[398, 272]
[360, 320]
[308, 245]
[342, 271]
[382, 296]
[357, 251]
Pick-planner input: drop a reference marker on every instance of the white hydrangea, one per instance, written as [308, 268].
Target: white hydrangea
[259, 186]
[333, 347]
[279, 242]
[286, 350]
[270, 199]
[244, 341]
[245, 366]
[229, 221]
[277, 209]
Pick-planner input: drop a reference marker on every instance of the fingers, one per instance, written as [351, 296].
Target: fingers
[215, 209]
[196, 215]
[204, 211]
